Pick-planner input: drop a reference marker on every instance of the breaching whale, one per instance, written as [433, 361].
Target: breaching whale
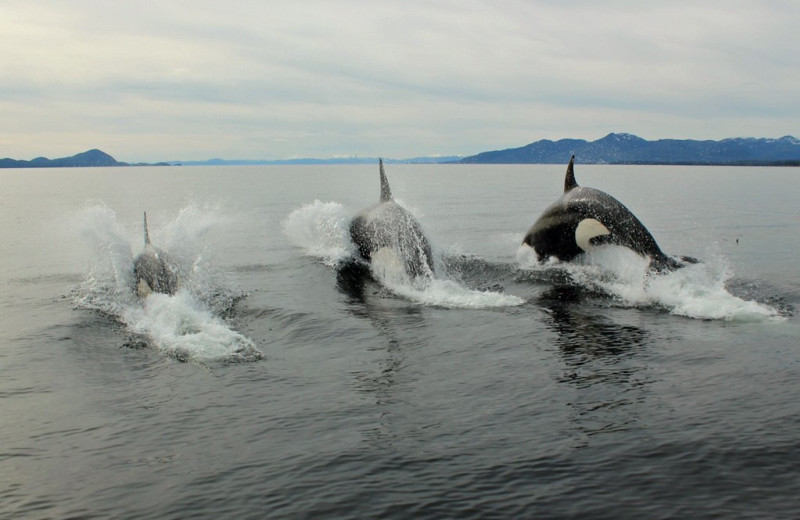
[153, 270]
[584, 218]
[389, 231]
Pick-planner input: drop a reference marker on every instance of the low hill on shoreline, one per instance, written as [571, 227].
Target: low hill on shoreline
[89, 158]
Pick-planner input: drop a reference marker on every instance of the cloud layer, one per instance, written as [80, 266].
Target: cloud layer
[188, 80]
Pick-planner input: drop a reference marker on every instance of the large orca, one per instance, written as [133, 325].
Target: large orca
[389, 231]
[153, 270]
[584, 218]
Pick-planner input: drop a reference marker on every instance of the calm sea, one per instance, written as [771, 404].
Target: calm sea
[270, 388]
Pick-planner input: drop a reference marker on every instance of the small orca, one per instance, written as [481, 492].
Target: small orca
[153, 270]
[584, 218]
[387, 230]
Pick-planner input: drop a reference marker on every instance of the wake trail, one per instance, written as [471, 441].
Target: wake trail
[699, 291]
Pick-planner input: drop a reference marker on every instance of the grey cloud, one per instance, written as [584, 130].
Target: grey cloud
[297, 78]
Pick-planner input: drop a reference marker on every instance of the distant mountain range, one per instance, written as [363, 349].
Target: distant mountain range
[611, 149]
[309, 160]
[91, 158]
[630, 149]
[99, 158]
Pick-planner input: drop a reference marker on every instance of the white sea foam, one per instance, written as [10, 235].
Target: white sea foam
[438, 290]
[695, 291]
[182, 325]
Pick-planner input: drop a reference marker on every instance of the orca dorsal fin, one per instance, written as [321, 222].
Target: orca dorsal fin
[386, 192]
[569, 180]
[146, 234]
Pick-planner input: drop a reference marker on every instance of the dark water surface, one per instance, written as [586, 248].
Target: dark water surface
[268, 388]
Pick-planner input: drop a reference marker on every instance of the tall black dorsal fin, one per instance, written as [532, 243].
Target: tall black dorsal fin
[386, 192]
[569, 180]
[146, 234]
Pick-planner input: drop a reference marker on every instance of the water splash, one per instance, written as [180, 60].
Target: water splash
[179, 327]
[187, 325]
[110, 269]
[696, 291]
[321, 229]
[438, 292]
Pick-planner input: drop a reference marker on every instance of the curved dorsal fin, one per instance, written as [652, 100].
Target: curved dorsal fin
[386, 192]
[569, 180]
[146, 234]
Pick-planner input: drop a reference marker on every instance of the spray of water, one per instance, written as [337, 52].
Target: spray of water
[179, 327]
[695, 291]
[321, 229]
[187, 325]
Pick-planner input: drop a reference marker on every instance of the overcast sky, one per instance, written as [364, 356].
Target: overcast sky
[238, 79]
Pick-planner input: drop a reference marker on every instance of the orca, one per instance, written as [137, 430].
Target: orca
[584, 218]
[154, 270]
[388, 231]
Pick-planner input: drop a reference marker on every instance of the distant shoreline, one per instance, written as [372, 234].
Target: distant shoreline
[613, 149]
[88, 159]
[631, 149]
[322, 162]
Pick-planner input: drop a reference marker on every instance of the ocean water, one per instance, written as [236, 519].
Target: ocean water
[271, 387]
